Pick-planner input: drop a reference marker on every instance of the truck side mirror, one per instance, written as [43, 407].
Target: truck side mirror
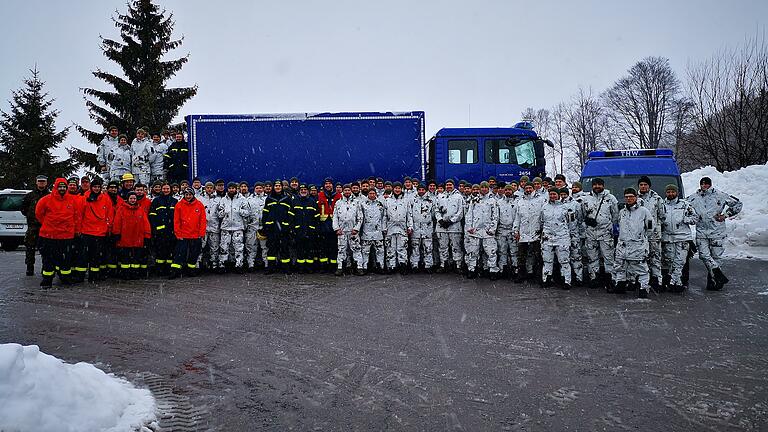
[549, 143]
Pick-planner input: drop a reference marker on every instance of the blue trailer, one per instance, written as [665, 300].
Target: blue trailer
[345, 146]
[621, 169]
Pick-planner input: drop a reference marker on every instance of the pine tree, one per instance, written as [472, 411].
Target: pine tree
[140, 98]
[28, 136]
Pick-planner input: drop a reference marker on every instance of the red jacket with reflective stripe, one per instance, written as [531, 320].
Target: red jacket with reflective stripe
[132, 224]
[97, 215]
[189, 219]
[58, 215]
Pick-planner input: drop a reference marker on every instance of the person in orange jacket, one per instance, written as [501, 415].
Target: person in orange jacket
[76, 248]
[132, 230]
[96, 221]
[189, 223]
[60, 223]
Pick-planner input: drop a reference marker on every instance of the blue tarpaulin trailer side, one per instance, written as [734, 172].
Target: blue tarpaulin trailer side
[344, 146]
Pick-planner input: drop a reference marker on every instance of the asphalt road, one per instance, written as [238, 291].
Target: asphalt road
[420, 352]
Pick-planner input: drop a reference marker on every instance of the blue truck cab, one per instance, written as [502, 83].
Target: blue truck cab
[621, 169]
[475, 154]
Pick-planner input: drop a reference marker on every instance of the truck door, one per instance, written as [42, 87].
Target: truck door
[499, 159]
[461, 159]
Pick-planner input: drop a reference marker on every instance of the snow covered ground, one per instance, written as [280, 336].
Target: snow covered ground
[747, 231]
[40, 393]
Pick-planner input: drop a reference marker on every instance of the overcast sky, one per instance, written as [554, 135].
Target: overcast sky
[466, 63]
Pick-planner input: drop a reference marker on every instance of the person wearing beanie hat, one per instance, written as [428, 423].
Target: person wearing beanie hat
[304, 228]
[408, 190]
[655, 205]
[480, 224]
[161, 217]
[713, 207]
[555, 239]
[396, 230]
[107, 144]
[421, 227]
[635, 226]
[233, 212]
[372, 231]
[209, 256]
[347, 222]
[190, 226]
[449, 212]
[676, 237]
[576, 232]
[327, 241]
[255, 244]
[277, 219]
[505, 234]
[176, 159]
[57, 214]
[96, 217]
[601, 212]
[157, 159]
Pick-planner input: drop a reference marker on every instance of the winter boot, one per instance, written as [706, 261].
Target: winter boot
[46, 283]
[719, 277]
[642, 293]
[619, 288]
[710, 283]
[30, 269]
[521, 276]
[494, 276]
[339, 272]
[654, 283]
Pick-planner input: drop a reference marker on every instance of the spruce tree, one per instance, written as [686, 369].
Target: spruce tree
[28, 136]
[140, 97]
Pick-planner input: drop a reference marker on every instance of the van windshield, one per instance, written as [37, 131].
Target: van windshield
[617, 184]
[11, 202]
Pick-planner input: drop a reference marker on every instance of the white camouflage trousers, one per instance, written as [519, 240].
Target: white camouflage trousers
[552, 250]
[654, 257]
[351, 242]
[378, 249]
[450, 242]
[576, 257]
[235, 239]
[396, 249]
[675, 255]
[597, 250]
[710, 252]
[209, 258]
[628, 270]
[472, 246]
[507, 248]
[254, 247]
[421, 247]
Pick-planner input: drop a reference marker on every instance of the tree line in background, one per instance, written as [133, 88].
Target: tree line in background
[139, 98]
[717, 115]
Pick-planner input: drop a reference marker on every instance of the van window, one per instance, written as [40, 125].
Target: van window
[11, 202]
[617, 184]
[525, 154]
[499, 151]
[462, 151]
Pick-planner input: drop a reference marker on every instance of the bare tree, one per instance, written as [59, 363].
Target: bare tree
[586, 126]
[559, 134]
[640, 103]
[729, 93]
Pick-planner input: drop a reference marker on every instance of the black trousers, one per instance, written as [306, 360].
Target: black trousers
[30, 243]
[132, 258]
[328, 247]
[186, 253]
[278, 248]
[55, 257]
[305, 251]
[92, 256]
[163, 247]
[76, 257]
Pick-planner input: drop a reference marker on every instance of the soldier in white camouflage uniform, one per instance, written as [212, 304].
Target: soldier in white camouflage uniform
[505, 234]
[347, 220]
[421, 228]
[655, 204]
[676, 234]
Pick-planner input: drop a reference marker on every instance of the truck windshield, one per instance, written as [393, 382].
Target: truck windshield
[525, 153]
[617, 184]
[11, 202]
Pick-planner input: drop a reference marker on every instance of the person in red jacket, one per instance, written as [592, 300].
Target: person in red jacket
[326, 200]
[132, 230]
[76, 248]
[60, 221]
[189, 224]
[96, 222]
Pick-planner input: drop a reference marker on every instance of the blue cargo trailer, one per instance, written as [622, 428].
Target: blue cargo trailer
[345, 146]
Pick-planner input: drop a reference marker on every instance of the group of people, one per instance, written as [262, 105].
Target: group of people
[540, 229]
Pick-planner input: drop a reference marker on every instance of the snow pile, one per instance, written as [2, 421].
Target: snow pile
[41, 393]
[747, 231]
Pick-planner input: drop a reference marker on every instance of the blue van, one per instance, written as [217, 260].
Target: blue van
[475, 154]
[623, 168]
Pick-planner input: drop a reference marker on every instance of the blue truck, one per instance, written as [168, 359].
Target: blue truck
[621, 169]
[350, 146]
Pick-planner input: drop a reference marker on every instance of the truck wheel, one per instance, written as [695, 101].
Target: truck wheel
[10, 246]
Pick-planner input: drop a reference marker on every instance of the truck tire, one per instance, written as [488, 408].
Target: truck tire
[10, 245]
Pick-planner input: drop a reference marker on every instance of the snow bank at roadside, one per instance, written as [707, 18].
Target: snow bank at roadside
[40, 393]
[747, 231]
